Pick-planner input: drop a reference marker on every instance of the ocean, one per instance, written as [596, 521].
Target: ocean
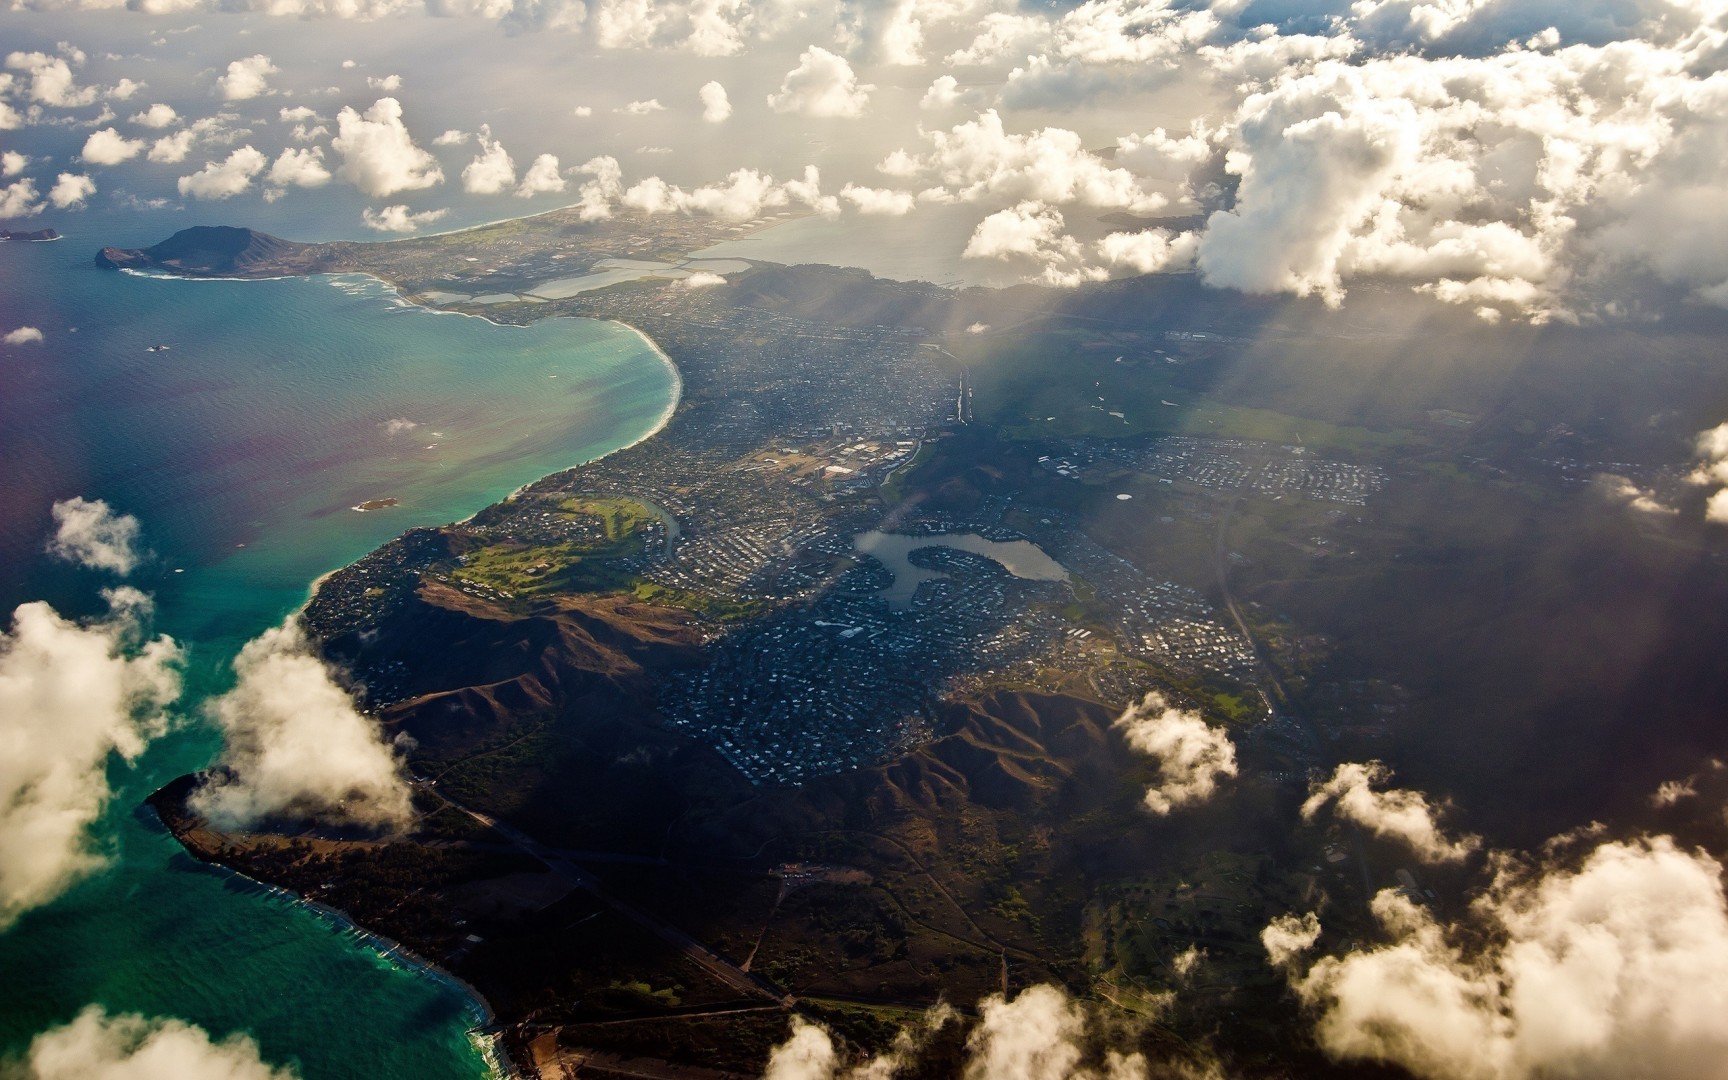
[241, 449]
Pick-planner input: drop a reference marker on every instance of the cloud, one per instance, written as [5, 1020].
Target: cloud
[1149, 251]
[582, 111]
[303, 167]
[50, 80]
[452, 137]
[1287, 937]
[399, 218]
[90, 533]
[716, 107]
[97, 1046]
[1397, 814]
[605, 184]
[642, 108]
[247, 78]
[157, 116]
[23, 335]
[745, 194]
[1035, 1036]
[980, 159]
[1624, 490]
[491, 171]
[808, 191]
[527, 16]
[71, 190]
[378, 155]
[1032, 234]
[1191, 754]
[12, 163]
[944, 93]
[173, 149]
[1004, 36]
[809, 1052]
[389, 84]
[703, 27]
[822, 85]
[72, 695]
[1711, 450]
[295, 746]
[1513, 179]
[109, 147]
[20, 199]
[542, 176]
[227, 178]
[871, 200]
[702, 279]
[1614, 968]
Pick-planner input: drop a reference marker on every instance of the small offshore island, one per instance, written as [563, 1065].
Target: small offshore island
[688, 764]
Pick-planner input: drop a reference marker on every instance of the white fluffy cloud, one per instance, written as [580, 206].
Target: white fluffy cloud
[157, 116]
[296, 167]
[1399, 814]
[604, 185]
[173, 149]
[944, 93]
[1712, 471]
[1191, 754]
[716, 107]
[702, 279]
[247, 78]
[1002, 36]
[491, 171]
[226, 178]
[12, 163]
[542, 176]
[1149, 251]
[92, 534]
[745, 194]
[824, 85]
[20, 199]
[97, 1046]
[389, 84]
[642, 108]
[71, 695]
[49, 80]
[980, 159]
[871, 200]
[378, 155]
[71, 190]
[398, 218]
[1032, 235]
[1615, 968]
[295, 746]
[109, 147]
[23, 335]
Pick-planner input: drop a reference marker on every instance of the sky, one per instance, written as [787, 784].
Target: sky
[1523, 159]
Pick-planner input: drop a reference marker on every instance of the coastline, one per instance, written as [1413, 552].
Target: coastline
[491, 1042]
[393, 952]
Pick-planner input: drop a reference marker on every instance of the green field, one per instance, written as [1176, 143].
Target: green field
[572, 566]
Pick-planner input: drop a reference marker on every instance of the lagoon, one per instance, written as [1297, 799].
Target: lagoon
[1021, 558]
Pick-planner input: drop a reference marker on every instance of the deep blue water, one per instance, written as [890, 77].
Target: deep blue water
[241, 451]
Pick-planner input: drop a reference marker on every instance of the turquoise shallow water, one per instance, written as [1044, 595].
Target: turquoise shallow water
[241, 450]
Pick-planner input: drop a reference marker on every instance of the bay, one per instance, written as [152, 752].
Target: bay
[242, 448]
